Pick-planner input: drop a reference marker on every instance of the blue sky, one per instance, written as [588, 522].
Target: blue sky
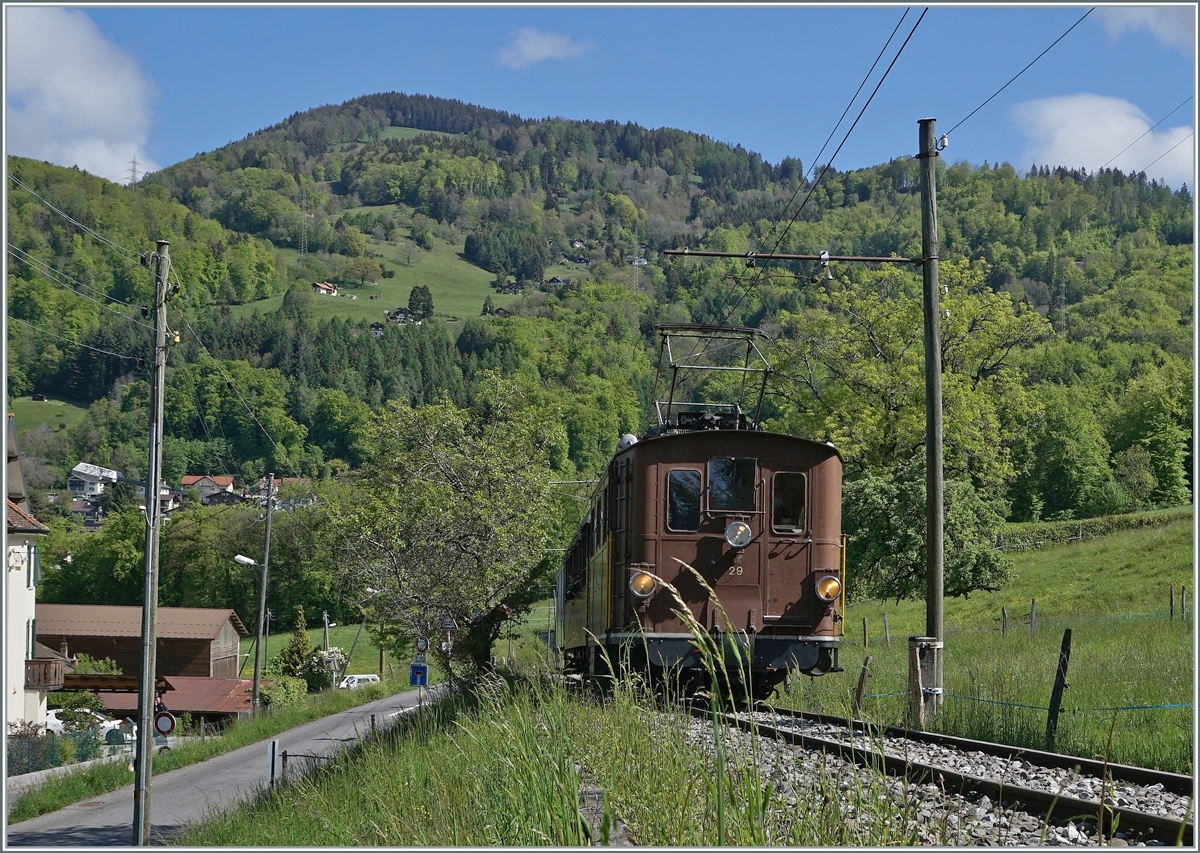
[96, 85]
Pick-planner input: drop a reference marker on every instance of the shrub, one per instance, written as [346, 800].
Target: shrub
[282, 691]
[1028, 536]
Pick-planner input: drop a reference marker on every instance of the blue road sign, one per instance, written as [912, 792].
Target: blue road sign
[417, 675]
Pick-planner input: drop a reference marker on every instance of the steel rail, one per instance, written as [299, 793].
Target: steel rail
[1148, 827]
[1176, 783]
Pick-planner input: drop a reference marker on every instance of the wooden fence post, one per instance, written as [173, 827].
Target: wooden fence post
[866, 636]
[1060, 684]
[1033, 617]
[1003, 621]
[283, 769]
[916, 690]
[862, 684]
[887, 632]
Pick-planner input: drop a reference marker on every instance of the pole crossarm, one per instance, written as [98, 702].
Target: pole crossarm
[774, 256]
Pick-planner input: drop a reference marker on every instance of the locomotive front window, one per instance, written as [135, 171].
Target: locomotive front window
[683, 500]
[788, 514]
[731, 484]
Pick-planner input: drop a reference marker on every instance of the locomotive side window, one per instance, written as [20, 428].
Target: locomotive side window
[731, 484]
[788, 514]
[683, 500]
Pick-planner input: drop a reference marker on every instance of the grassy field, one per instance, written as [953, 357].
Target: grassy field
[366, 652]
[458, 286]
[391, 132]
[511, 762]
[1126, 653]
[56, 412]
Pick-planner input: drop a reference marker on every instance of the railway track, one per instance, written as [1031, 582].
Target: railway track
[1139, 804]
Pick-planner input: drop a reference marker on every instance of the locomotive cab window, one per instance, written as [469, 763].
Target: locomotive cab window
[731, 484]
[788, 513]
[683, 500]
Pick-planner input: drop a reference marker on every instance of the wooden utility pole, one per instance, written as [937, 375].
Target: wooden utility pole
[931, 644]
[262, 597]
[933, 400]
[145, 734]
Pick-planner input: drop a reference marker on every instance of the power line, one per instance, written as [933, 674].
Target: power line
[1147, 133]
[1168, 151]
[129, 255]
[67, 283]
[63, 277]
[283, 457]
[43, 330]
[1022, 71]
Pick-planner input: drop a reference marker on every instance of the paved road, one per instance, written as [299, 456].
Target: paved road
[191, 793]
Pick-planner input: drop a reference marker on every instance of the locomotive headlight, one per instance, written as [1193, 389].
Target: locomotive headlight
[643, 584]
[828, 587]
[738, 534]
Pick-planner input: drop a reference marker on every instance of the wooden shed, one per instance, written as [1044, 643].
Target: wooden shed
[192, 641]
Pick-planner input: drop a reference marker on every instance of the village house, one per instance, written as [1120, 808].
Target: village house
[377, 329]
[324, 288]
[89, 510]
[28, 674]
[192, 641]
[208, 485]
[89, 480]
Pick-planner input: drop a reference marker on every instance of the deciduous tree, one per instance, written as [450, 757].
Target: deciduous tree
[450, 515]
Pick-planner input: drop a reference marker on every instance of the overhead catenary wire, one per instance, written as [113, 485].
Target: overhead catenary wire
[756, 278]
[829, 165]
[812, 165]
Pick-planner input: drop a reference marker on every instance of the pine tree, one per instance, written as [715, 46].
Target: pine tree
[298, 650]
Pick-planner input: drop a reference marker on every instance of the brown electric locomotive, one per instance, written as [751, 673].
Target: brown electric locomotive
[756, 514]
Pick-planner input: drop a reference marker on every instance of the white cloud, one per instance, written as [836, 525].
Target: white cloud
[72, 97]
[1091, 130]
[1174, 26]
[531, 45]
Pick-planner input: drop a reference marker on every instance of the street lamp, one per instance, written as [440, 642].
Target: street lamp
[262, 609]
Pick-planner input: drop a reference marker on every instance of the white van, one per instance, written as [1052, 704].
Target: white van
[353, 682]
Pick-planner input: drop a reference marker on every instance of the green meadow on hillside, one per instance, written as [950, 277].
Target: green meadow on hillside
[458, 286]
[55, 412]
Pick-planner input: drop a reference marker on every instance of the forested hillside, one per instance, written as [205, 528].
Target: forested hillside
[1067, 349]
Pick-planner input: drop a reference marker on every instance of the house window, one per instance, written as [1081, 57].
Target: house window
[30, 638]
[731, 484]
[683, 500]
[788, 513]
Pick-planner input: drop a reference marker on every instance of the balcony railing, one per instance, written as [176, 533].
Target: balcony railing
[44, 674]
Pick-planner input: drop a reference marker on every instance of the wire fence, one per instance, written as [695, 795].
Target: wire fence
[28, 753]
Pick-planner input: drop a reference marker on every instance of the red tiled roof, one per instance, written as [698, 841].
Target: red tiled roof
[217, 479]
[19, 521]
[110, 620]
[193, 695]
